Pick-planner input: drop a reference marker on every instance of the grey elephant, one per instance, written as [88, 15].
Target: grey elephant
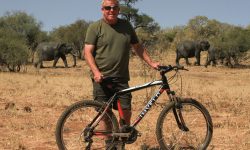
[189, 49]
[48, 51]
[231, 54]
[223, 56]
[212, 56]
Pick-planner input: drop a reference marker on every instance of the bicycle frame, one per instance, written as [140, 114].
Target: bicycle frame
[164, 86]
[149, 103]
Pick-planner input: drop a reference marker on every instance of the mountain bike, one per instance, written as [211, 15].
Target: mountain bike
[184, 123]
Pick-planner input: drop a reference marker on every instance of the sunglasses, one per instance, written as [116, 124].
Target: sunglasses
[111, 7]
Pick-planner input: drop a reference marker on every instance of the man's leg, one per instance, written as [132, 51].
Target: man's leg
[105, 123]
[127, 116]
[125, 101]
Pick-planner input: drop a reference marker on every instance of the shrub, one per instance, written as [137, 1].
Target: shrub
[13, 50]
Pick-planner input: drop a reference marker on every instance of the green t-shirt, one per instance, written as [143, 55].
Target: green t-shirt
[112, 46]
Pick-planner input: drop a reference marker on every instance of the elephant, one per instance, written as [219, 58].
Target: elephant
[48, 51]
[222, 55]
[229, 55]
[212, 56]
[189, 49]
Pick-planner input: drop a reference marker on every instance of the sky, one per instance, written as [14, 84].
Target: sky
[167, 13]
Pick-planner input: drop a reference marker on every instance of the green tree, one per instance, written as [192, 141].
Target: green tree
[25, 25]
[164, 40]
[13, 50]
[175, 35]
[138, 20]
[232, 41]
[145, 25]
[198, 27]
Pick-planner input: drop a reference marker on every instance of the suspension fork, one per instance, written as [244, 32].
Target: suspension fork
[177, 110]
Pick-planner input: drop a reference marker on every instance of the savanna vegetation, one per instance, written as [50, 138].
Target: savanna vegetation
[23, 33]
[32, 100]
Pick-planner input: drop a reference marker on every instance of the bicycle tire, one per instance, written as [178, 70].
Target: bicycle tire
[197, 120]
[73, 121]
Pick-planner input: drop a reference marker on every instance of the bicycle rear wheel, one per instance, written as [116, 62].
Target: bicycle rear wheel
[74, 121]
[196, 118]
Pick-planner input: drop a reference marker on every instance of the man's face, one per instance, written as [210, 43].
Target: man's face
[110, 11]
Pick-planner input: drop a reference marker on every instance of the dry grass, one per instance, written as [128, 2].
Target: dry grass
[31, 102]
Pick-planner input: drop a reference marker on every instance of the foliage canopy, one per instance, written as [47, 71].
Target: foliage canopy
[20, 33]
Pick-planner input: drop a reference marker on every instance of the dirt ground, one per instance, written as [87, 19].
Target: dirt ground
[31, 102]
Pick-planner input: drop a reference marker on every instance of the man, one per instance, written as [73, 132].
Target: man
[106, 51]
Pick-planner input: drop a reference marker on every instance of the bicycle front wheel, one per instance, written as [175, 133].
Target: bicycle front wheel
[71, 127]
[194, 130]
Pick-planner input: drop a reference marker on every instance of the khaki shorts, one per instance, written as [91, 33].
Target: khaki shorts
[102, 93]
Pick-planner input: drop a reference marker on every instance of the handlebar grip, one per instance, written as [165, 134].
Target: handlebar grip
[170, 68]
[164, 67]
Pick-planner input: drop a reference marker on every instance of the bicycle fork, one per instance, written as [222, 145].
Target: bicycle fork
[177, 110]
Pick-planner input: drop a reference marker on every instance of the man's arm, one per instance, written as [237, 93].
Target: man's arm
[88, 55]
[143, 54]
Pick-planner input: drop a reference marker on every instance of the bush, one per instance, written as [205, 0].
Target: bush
[13, 50]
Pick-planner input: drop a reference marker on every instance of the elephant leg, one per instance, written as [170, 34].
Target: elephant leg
[214, 63]
[187, 62]
[177, 59]
[64, 60]
[208, 63]
[197, 56]
[55, 61]
[74, 58]
[197, 60]
[41, 65]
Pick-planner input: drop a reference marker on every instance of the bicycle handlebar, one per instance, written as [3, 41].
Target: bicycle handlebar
[161, 69]
[169, 68]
